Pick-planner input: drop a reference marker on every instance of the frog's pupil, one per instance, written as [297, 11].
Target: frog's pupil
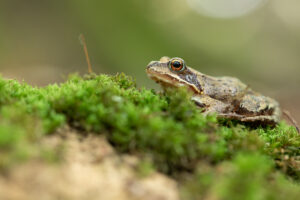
[176, 64]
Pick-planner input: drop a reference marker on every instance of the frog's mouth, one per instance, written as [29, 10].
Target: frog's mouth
[161, 74]
[165, 79]
[168, 79]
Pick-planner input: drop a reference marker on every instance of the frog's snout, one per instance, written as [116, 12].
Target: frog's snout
[152, 63]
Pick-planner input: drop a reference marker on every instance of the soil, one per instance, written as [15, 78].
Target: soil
[90, 169]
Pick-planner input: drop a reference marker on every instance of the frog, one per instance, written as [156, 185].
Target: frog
[227, 97]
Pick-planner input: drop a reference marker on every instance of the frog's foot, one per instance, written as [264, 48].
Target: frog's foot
[260, 119]
[264, 119]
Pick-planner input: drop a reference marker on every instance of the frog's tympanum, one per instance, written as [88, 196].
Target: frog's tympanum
[226, 96]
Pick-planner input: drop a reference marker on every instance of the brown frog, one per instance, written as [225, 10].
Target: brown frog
[226, 96]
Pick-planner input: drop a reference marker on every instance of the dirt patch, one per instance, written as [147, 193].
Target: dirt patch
[91, 169]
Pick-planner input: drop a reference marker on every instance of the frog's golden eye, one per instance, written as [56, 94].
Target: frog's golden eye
[177, 64]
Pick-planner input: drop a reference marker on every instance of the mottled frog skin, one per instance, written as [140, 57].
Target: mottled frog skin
[226, 96]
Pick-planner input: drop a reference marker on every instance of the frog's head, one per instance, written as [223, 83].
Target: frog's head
[173, 73]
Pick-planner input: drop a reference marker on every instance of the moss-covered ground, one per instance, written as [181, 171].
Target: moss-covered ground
[210, 158]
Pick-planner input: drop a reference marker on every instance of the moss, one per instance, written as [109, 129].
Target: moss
[167, 128]
[246, 176]
[145, 168]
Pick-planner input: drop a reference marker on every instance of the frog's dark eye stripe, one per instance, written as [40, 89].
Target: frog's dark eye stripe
[177, 64]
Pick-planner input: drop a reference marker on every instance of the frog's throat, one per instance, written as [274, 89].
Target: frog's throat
[171, 81]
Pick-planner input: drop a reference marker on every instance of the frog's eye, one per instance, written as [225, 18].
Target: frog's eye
[177, 64]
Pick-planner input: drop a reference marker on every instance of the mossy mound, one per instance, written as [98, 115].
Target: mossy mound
[209, 158]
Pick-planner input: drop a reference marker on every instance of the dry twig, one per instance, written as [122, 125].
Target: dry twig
[291, 119]
[83, 43]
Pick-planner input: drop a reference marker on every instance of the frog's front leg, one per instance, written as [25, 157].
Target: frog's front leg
[209, 104]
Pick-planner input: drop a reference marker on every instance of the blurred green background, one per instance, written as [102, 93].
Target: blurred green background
[257, 41]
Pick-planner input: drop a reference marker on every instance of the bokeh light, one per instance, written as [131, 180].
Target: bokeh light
[288, 12]
[225, 8]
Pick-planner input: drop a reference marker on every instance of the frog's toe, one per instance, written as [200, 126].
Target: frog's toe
[262, 119]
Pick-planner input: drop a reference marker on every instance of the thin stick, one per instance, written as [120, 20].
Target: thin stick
[289, 116]
[83, 43]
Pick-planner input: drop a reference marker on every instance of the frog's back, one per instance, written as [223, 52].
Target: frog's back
[226, 88]
[222, 88]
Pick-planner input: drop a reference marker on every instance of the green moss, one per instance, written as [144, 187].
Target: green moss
[246, 176]
[166, 128]
[145, 168]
